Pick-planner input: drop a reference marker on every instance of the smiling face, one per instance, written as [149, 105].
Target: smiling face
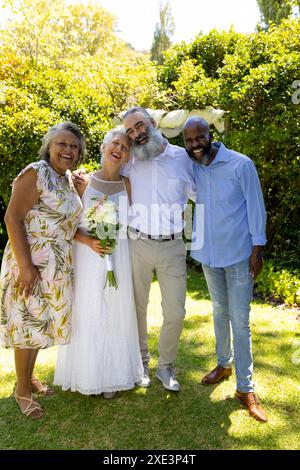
[197, 140]
[138, 127]
[146, 140]
[116, 152]
[63, 151]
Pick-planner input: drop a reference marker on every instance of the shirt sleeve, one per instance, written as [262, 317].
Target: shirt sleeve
[255, 207]
[125, 169]
[190, 191]
[190, 185]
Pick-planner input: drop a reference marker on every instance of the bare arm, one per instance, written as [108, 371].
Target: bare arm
[92, 243]
[80, 180]
[24, 196]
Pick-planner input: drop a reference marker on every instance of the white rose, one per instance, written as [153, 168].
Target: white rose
[110, 218]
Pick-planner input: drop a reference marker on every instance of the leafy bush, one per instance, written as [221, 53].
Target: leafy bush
[90, 166]
[250, 77]
[281, 284]
[78, 71]
[82, 73]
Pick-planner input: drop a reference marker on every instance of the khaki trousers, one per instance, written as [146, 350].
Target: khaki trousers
[168, 258]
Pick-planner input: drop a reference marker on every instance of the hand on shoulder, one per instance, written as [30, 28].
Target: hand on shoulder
[80, 179]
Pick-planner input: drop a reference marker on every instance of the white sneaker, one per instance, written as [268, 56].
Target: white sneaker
[168, 378]
[145, 382]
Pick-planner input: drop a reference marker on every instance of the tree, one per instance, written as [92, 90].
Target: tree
[274, 11]
[51, 32]
[78, 70]
[163, 33]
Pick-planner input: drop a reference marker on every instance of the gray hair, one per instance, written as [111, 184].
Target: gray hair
[137, 109]
[109, 137]
[63, 126]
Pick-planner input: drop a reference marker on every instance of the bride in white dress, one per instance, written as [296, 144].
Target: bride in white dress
[104, 355]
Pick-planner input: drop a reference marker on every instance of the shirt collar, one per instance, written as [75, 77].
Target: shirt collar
[222, 154]
[168, 151]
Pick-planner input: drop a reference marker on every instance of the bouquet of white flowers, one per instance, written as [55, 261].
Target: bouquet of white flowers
[103, 223]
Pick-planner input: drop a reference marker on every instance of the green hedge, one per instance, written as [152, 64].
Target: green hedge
[279, 284]
[34, 101]
[250, 77]
[273, 283]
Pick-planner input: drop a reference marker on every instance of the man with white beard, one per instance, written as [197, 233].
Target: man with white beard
[161, 178]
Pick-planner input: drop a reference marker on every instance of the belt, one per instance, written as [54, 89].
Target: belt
[160, 238]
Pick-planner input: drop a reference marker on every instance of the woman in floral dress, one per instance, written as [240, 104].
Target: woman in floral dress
[36, 275]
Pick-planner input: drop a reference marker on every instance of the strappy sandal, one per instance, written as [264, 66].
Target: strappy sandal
[41, 389]
[29, 410]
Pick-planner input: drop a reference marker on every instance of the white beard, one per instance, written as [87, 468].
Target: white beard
[149, 150]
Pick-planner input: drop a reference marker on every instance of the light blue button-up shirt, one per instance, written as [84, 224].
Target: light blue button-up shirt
[232, 204]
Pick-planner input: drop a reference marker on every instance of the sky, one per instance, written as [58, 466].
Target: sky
[136, 19]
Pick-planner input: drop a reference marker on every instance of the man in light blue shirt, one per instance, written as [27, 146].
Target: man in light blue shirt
[233, 225]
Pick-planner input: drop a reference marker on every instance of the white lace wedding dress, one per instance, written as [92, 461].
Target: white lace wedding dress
[104, 353]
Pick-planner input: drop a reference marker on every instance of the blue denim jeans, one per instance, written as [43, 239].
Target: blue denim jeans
[231, 289]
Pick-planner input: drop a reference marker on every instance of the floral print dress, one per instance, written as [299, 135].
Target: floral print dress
[44, 318]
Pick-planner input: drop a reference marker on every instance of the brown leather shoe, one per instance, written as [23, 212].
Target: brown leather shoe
[250, 401]
[216, 375]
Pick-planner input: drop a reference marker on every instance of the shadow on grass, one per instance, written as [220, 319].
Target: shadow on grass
[264, 346]
[196, 285]
[198, 417]
[139, 419]
[152, 418]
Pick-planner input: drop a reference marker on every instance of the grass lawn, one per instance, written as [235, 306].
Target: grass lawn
[199, 417]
